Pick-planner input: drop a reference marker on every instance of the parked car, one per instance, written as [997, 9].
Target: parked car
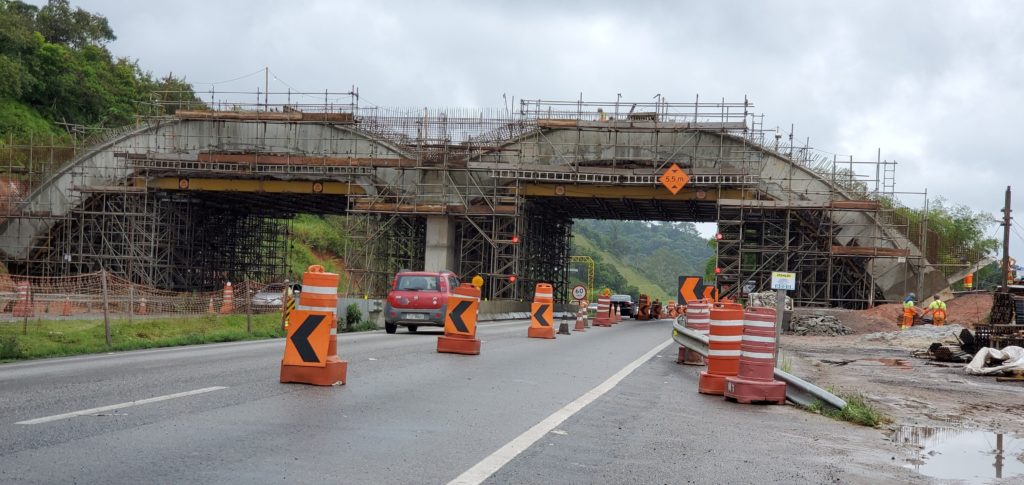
[418, 298]
[626, 306]
[268, 298]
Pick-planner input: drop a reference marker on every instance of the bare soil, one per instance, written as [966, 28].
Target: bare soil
[910, 390]
[965, 310]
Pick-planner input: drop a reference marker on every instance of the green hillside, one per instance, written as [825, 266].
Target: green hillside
[642, 257]
[635, 282]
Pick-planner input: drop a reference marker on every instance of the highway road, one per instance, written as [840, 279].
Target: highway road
[605, 406]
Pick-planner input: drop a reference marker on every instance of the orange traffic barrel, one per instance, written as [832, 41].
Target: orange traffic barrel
[460, 322]
[698, 319]
[311, 346]
[969, 281]
[755, 380]
[725, 334]
[604, 308]
[542, 312]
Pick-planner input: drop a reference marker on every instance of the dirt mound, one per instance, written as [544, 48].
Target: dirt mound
[970, 309]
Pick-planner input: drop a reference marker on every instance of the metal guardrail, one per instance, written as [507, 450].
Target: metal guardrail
[798, 391]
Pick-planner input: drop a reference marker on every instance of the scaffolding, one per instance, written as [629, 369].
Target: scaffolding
[209, 198]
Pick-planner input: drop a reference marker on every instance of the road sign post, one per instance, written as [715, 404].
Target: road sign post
[781, 282]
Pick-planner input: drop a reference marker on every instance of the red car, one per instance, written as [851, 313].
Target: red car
[418, 298]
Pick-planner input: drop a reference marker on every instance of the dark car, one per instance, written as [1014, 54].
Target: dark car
[418, 298]
[626, 306]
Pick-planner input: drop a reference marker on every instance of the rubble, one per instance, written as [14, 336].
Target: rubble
[767, 299]
[824, 325]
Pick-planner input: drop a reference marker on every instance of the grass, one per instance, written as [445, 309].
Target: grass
[57, 338]
[787, 363]
[857, 411]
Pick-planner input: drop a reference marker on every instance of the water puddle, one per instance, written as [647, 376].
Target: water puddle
[888, 362]
[891, 362]
[960, 454]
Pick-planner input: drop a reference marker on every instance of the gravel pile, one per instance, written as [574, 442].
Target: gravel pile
[918, 332]
[823, 325]
[766, 299]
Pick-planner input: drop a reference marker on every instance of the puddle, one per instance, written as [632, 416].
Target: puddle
[959, 454]
[891, 362]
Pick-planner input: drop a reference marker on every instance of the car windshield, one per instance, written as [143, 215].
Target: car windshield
[417, 283]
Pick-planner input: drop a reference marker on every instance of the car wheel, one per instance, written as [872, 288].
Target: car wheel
[390, 327]
[413, 328]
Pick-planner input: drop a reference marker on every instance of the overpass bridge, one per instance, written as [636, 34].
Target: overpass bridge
[201, 193]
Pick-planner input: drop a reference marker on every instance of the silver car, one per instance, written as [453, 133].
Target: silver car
[268, 298]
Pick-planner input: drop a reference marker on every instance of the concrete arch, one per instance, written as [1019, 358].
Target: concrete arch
[101, 166]
[645, 147]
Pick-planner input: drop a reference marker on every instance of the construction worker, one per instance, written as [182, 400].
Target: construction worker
[909, 311]
[601, 116]
[938, 310]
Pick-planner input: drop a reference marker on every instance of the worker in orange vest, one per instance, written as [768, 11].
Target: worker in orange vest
[938, 310]
[909, 311]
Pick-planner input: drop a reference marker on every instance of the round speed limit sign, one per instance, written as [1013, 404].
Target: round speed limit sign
[579, 292]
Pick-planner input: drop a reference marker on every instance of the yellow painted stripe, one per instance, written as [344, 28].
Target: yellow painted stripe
[627, 191]
[249, 185]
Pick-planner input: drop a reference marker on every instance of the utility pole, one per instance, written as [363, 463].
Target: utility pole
[266, 88]
[1006, 241]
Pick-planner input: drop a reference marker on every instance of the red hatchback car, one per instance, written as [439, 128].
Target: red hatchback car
[418, 298]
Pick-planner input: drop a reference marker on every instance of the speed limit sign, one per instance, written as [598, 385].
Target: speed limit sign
[579, 292]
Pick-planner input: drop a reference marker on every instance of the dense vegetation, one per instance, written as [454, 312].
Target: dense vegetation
[660, 251]
[57, 77]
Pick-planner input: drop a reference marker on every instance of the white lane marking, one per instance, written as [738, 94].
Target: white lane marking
[103, 409]
[483, 470]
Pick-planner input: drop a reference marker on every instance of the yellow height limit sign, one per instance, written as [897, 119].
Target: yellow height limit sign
[674, 179]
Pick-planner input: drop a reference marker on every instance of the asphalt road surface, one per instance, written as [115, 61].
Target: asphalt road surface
[605, 406]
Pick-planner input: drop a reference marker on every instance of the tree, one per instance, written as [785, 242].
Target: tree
[74, 28]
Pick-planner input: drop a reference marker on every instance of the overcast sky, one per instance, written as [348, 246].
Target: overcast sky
[937, 85]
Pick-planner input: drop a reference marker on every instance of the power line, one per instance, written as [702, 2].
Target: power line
[232, 80]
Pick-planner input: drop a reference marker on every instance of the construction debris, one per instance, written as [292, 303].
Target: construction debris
[767, 299]
[1008, 360]
[823, 325]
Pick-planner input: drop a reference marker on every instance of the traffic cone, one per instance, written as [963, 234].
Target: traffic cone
[228, 303]
[581, 318]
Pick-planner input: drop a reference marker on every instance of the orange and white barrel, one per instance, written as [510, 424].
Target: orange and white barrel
[320, 294]
[725, 335]
[755, 380]
[603, 317]
[757, 350]
[697, 318]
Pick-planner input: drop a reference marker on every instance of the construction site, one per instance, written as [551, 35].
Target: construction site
[199, 193]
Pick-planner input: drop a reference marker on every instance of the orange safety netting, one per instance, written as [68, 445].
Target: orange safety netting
[85, 295]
